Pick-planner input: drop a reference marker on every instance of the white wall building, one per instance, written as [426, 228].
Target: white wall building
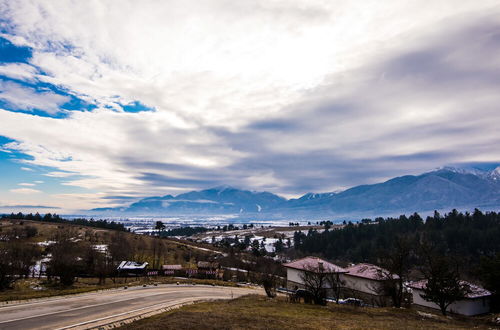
[295, 270]
[477, 300]
[366, 281]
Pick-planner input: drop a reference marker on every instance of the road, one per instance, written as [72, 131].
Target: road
[93, 309]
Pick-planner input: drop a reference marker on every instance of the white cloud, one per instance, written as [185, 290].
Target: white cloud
[26, 98]
[39, 181]
[27, 169]
[214, 61]
[57, 174]
[26, 184]
[213, 69]
[20, 71]
[25, 191]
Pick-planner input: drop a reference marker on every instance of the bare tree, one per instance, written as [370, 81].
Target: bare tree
[335, 284]
[269, 277]
[396, 263]
[316, 280]
[23, 256]
[65, 262]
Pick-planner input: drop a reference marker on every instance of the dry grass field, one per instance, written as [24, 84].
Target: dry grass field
[257, 312]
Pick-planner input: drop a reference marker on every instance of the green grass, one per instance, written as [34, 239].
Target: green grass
[257, 312]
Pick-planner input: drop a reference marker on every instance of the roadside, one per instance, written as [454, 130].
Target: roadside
[111, 307]
[257, 312]
[29, 289]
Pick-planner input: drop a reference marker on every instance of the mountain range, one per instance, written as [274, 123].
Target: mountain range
[441, 189]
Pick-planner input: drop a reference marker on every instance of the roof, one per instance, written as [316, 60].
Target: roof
[313, 263]
[475, 291]
[171, 267]
[207, 264]
[128, 265]
[369, 271]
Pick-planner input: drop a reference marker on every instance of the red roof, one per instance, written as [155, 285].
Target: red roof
[475, 291]
[369, 271]
[314, 263]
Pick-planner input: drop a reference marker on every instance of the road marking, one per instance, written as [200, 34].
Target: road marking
[107, 303]
[124, 313]
[83, 307]
[114, 291]
[75, 296]
[179, 303]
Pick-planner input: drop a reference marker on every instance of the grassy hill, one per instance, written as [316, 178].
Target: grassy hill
[153, 250]
[257, 312]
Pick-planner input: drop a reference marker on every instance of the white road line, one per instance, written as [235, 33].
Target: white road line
[105, 291]
[71, 296]
[83, 307]
[124, 313]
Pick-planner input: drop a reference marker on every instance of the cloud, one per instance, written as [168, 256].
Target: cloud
[21, 206]
[19, 71]
[39, 181]
[27, 184]
[25, 191]
[57, 174]
[20, 97]
[27, 169]
[293, 97]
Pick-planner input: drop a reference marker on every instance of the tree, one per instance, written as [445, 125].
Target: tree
[443, 285]
[316, 280]
[6, 269]
[490, 275]
[395, 260]
[278, 245]
[160, 226]
[269, 277]
[65, 262]
[336, 284]
[255, 247]
[23, 256]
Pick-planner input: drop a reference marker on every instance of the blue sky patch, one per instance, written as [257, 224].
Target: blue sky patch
[11, 53]
[136, 106]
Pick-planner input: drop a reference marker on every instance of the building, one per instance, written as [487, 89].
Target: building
[172, 270]
[295, 271]
[208, 269]
[476, 301]
[132, 268]
[367, 282]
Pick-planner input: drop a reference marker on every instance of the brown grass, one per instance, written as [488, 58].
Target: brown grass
[256, 312]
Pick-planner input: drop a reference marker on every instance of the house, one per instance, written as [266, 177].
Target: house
[295, 271]
[476, 301]
[171, 269]
[366, 282]
[132, 268]
[209, 269]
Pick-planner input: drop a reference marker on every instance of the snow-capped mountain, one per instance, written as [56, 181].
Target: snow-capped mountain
[222, 199]
[443, 188]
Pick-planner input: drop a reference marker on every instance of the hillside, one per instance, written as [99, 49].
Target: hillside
[252, 312]
[33, 242]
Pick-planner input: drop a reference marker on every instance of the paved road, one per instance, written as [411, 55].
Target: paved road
[68, 312]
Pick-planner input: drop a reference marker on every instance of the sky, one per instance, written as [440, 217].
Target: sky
[105, 102]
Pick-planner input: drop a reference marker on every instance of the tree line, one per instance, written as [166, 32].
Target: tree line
[55, 218]
[443, 249]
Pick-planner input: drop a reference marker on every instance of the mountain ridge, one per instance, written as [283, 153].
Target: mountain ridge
[443, 188]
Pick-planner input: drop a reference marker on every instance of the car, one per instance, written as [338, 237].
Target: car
[352, 301]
